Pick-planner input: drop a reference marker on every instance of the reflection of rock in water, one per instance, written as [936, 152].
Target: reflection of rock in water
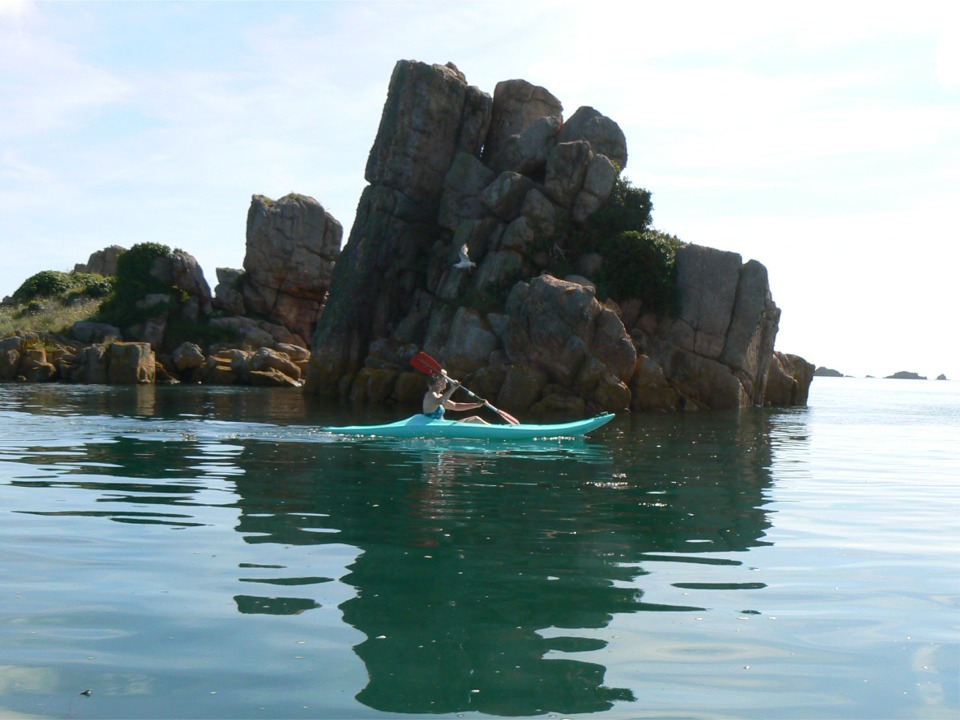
[254, 605]
[482, 576]
[450, 631]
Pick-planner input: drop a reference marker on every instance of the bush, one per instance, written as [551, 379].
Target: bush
[628, 208]
[63, 286]
[45, 284]
[641, 264]
[88, 285]
[133, 282]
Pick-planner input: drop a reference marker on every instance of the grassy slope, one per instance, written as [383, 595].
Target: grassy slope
[54, 318]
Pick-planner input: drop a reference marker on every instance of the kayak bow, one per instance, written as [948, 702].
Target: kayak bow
[421, 426]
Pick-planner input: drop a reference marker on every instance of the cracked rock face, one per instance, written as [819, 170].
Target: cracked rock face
[292, 246]
[508, 180]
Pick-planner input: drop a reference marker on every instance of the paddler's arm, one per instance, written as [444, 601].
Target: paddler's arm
[449, 404]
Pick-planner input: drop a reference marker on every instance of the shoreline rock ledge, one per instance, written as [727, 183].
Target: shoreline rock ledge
[516, 186]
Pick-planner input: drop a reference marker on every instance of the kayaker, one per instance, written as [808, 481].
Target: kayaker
[437, 399]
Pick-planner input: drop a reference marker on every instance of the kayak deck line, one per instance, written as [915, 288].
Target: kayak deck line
[421, 426]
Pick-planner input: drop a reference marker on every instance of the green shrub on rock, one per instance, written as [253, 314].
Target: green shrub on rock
[133, 283]
[63, 286]
[45, 284]
[628, 208]
[90, 285]
[641, 264]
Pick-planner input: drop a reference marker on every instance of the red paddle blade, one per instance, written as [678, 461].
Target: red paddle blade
[426, 364]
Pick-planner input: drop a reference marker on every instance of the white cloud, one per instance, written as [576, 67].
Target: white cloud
[15, 9]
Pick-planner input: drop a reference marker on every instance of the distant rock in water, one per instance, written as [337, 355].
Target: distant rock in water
[941, 376]
[905, 375]
[827, 372]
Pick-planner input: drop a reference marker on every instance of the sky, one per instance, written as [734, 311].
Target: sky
[821, 139]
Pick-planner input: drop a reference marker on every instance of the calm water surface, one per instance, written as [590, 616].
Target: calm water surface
[210, 553]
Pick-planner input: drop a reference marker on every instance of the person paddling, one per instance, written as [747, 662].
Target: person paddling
[437, 399]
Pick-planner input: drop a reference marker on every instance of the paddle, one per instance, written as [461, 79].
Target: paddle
[426, 364]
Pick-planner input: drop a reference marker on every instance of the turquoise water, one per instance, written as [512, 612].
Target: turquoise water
[210, 553]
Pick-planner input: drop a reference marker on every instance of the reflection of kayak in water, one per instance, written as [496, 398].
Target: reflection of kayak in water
[421, 426]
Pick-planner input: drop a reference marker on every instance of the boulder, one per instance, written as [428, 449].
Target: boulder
[705, 383]
[522, 386]
[9, 363]
[603, 134]
[498, 270]
[430, 115]
[409, 388]
[150, 331]
[611, 345]
[552, 324]
[517, 105]
[542, 215]
[188, 356]
[228, 295]
[183, 271]
[296, 353]
[708, 280]
[650, 390]
[376, 386]
[257, 333]
[271, 378]
[218, 373]
[505, 195]
[598, 182]
[268, 359]
[469, 343]
[130, 363]
[10, 349]
[566, 170]
[560, 404]
[34, 366]
[292, 247]
[188, 276]
[462, 188]
[753, 327]
[91, 367]
[526, 152]
[519, 236]
[102, 262]
[788, 380]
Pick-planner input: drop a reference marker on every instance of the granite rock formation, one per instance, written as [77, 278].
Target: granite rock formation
[43, 357]
[102, 262]
[292, 245]
[507, 179]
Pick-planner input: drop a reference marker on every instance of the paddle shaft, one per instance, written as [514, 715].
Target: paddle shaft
[427, 364]
[506, 416]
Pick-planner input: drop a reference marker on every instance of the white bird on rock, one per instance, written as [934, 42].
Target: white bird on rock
[465, 262]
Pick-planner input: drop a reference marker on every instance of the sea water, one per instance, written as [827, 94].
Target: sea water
[190, 552]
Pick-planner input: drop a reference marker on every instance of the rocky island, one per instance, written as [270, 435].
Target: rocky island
[496, 234]
[558, 309]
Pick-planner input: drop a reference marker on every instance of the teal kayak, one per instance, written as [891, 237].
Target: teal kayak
[420, 426]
